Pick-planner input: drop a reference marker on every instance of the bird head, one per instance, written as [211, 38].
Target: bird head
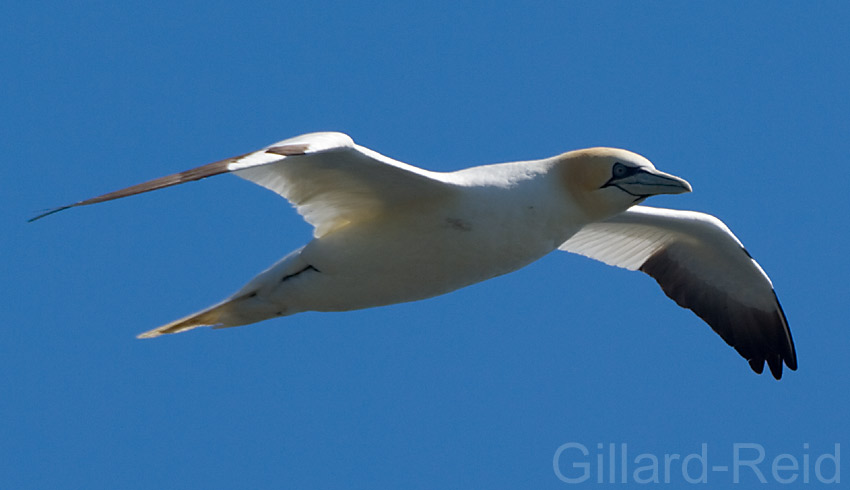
[607, 181]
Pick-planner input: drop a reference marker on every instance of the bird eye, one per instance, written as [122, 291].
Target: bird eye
[620, 170]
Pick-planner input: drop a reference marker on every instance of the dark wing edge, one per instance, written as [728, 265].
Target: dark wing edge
[197, 173]
[759, 336]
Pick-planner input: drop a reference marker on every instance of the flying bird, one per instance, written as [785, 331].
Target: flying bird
[387, 232]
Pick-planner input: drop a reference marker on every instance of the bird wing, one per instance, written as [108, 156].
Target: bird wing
[702, 266]
[328, 178]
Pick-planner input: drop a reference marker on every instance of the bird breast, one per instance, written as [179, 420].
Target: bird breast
[429, 249]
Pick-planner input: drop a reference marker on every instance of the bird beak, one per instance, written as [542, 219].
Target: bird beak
[647, 182]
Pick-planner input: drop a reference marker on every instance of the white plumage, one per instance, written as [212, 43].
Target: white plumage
[388, 232]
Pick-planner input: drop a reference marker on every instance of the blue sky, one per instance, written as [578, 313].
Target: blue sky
[477, 389]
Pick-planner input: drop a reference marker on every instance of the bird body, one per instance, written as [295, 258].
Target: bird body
[476, 231]
[387, 232]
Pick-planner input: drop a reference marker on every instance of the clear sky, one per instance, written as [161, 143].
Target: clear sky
[749, 101]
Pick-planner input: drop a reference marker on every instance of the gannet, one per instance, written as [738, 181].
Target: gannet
[387, 232]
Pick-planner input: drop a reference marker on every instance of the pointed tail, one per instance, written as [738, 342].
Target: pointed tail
[219, 315]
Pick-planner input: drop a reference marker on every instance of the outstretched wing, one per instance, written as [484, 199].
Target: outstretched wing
[326, 176]
[702, 266]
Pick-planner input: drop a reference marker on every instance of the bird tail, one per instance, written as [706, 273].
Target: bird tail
[220, 315]
[246, 305]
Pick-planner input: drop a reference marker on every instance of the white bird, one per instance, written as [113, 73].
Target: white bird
[387, 232]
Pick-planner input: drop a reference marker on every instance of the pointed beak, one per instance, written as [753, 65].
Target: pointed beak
[649, 182]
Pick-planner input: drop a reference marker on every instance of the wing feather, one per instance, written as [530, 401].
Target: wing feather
[337, 182]
[330, 180]
[702, 266]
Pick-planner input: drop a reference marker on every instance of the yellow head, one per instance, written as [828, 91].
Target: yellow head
[607, 181]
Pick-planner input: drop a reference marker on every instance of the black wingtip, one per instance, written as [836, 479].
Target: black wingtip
[757, 365]
[48, 213]
[774, 364]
